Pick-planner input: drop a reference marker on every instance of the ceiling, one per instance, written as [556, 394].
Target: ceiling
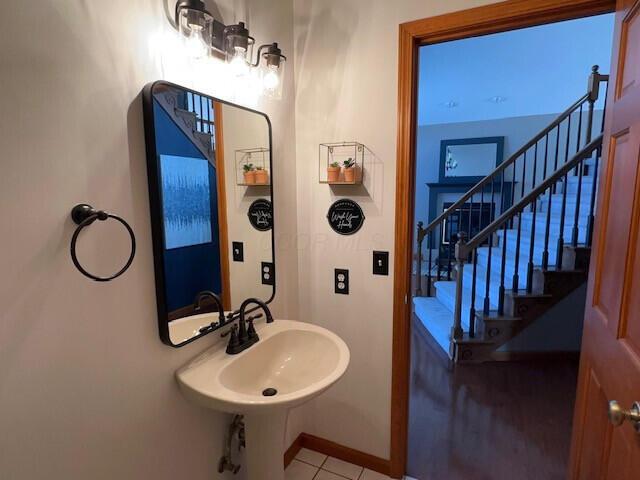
[531, 71]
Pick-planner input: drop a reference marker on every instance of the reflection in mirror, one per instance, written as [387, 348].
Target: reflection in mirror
[469, 158]
[212, 229]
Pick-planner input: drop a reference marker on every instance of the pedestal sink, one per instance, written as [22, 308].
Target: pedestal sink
[292, 363]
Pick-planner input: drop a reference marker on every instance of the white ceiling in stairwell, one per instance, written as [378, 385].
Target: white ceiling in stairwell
[532, 71]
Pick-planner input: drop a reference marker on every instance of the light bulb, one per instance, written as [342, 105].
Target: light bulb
[271, 80]
[238, 64]
[195, 44]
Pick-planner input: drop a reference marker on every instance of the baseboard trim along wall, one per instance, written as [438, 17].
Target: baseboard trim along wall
[338, 451]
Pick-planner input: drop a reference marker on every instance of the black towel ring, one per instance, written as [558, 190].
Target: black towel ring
[84, 215]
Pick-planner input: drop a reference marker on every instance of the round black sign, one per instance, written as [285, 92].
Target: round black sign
[345, 217]
[261, 215]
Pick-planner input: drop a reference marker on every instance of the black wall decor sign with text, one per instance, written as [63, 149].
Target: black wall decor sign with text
[345, 217]
[261, 215]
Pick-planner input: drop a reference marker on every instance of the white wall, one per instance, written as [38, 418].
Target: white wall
[87, 391]
[346, 82]
[242, 130]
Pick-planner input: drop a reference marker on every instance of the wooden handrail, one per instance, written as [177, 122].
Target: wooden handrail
[490, 177]
[533, 195]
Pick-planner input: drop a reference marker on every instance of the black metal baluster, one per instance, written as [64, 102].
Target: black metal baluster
[449, 246]
[439, 247]
[429, 265]
[546, 156]
[579, 129]
[592, 205]
[503, 267]
[516, 273]
[576, 218]
[545, 253]
[524, 173]
[501, 192]
[470, 227]
[604, 109]
[535, 164]
[575, 170]
[513, 187]
[532, 247]
[555, 162]
[563, 208]
[487, 291]
[472, 311]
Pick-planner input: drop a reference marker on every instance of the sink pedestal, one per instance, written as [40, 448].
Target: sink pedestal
[265, 434]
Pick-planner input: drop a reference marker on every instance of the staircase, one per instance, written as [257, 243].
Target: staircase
[535, 250]
[194, 122]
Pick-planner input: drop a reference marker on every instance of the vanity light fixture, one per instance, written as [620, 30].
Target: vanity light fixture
[205, 36]
[195, 25]
[271, 70]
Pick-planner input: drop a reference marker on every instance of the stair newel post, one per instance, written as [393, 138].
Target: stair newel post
[461, 255]
[420, 238]
[594, 91]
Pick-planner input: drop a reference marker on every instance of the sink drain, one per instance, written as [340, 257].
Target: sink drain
[269, 392]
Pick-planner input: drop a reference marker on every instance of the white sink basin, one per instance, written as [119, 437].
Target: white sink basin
[299, 360]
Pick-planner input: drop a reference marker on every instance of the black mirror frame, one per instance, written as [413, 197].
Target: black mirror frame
[155, 203]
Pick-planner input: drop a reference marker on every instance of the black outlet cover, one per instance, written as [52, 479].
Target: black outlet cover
[380, 263]
[268, 273]
[238, 251]
[341, 281]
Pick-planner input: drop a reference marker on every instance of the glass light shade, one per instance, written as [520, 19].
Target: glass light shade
[272, 78]
[195, 27]
[238, 64]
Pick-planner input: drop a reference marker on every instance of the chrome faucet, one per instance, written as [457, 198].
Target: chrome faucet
[216, 299]
[244, 334]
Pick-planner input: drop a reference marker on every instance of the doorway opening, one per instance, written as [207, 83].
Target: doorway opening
[496, 119]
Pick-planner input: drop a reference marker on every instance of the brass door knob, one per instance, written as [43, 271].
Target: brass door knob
[617, 414]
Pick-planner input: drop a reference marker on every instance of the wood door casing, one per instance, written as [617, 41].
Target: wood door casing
[487, 19]
[610, 362]
[222, 205]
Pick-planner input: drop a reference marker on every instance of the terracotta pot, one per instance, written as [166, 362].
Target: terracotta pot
[250, 177]
[333, 174]
[262, 177]
[350, 174]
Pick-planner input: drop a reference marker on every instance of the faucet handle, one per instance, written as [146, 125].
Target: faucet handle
[251, 331]
[234, 342]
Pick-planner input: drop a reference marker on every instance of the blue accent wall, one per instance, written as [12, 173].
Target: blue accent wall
[188, 270]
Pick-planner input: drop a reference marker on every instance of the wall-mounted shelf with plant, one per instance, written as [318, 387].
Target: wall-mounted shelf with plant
[252, 167]
[341, 163]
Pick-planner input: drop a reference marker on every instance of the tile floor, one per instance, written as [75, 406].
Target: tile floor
[310, 465]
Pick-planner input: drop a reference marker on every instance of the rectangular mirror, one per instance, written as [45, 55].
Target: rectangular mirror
[210, 189]
[469, 160]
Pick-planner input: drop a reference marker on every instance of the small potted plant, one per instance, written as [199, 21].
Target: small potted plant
[249, 174]
[349, 170]
[262, 176]
[333, 172]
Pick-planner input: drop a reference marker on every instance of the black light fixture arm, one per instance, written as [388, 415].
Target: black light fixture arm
[273, 54]
[221, 32]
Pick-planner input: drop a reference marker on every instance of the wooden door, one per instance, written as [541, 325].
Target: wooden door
[610, 362]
